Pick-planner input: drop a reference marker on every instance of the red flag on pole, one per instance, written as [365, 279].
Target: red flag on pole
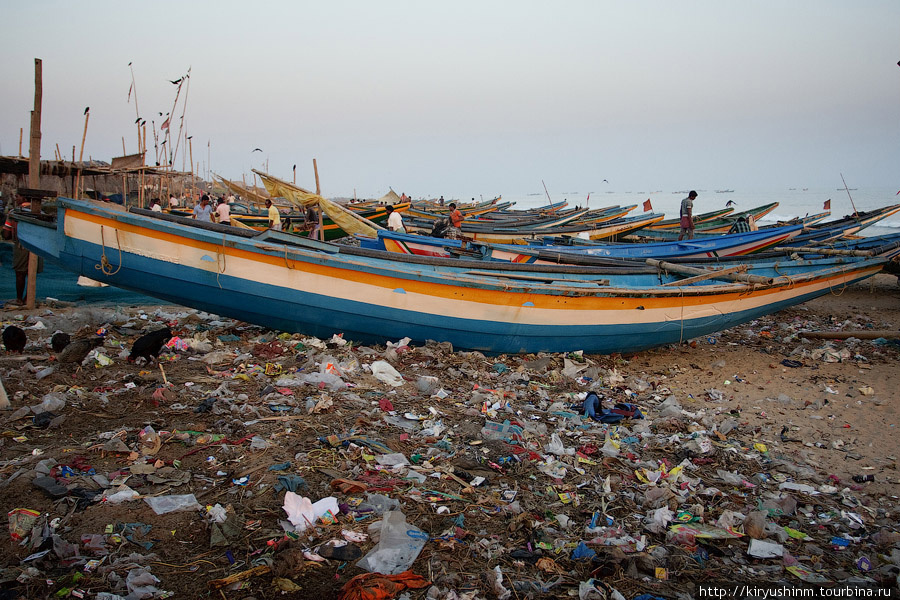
[828, 204]
[647, 206]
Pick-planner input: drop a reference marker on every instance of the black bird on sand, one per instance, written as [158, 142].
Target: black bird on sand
[59, 340]
[14, 338]
[149, 345]
[78, 349]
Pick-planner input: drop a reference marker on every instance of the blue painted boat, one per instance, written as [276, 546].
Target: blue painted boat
[735, 244]
[294, 284]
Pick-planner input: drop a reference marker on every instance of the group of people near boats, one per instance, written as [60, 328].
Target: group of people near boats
[204, 211]
[449, 228]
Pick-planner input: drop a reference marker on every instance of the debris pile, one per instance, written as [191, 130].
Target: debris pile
[214, 456]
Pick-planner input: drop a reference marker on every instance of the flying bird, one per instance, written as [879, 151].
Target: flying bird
[59, 340]
[257, 150]
[14, 339]
[75, 352]
[149, 345]
[177, 81]
[729, 203]
[605, 181]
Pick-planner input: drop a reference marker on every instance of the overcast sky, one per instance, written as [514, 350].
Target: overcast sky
[475, 98]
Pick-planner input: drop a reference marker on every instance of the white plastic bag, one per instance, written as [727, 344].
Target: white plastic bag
[302, 512]
[383, 371]
[398, 546]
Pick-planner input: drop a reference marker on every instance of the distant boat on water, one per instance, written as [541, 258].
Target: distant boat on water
[724, 191]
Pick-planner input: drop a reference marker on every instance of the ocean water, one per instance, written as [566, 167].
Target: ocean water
[791, 202]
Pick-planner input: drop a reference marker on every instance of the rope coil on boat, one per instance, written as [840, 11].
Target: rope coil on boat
[104, 265]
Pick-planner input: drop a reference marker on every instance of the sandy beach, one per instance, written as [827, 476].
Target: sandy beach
[744, 412]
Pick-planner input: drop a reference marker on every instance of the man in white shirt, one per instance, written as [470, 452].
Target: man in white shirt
[223, 212]
[395, 221]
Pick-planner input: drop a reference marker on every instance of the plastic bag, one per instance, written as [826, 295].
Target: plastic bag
[150, 441]
[556, 447]
[302, 512]
[174, 503]
[399, 545]
[383, 371]
[51, 402]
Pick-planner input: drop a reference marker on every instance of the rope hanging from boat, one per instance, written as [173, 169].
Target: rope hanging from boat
[104, 265]
[286, 263]
[220, 262]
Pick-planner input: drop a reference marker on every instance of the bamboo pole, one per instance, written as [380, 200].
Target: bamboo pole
[692, 271]
[20, 141]
[191, 150]
[34, 174]
[319, 208]
[87, 116]
[864, 334]
[824, 251]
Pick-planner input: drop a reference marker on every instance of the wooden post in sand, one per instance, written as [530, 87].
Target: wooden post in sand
[34, 173]
[319, 208]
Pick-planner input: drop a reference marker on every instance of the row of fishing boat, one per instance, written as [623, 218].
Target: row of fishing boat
[452, 294]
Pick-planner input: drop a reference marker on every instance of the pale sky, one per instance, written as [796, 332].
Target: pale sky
[476, 98]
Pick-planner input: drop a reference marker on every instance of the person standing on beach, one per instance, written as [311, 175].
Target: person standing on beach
[274, 216]
[687, 217]
[394, 220]
[20, 255]
[454, 231]
[203, 211]
[312, 219]
[223, 212]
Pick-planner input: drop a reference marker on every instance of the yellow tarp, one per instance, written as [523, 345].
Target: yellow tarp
[350, 222]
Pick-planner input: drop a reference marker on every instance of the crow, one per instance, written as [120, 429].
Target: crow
[59, 340]
[75, 352]
[256, 150]
[14, 339]
[149, 345]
